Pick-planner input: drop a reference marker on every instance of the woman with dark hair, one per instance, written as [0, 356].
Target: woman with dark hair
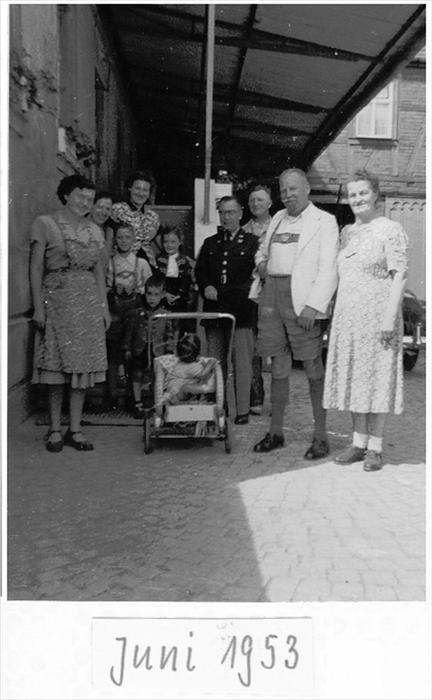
[101, 215]
[70, 309]
[364, 362]
[137, 214]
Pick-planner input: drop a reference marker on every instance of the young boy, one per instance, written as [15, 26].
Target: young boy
[126, 278]
[136, 338]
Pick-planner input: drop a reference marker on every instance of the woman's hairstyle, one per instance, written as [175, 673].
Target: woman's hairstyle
[156, 281]
[101, 194]
[188, 347]
[363, 174]
[145, 175]
[71, 183]
[257, 188]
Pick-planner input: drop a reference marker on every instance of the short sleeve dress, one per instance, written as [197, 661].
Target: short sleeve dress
[144, 223]
[72, 347]
[362, 375]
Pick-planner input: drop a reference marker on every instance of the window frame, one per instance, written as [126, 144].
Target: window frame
[391, 124]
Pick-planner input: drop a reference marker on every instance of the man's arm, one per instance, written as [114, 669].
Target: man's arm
[203, 276]
[326, 279]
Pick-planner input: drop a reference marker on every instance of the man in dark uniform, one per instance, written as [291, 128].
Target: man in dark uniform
[224, 273]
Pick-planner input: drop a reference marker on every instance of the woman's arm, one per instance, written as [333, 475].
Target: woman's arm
[394, 301]
[36, 277]
[100, 281]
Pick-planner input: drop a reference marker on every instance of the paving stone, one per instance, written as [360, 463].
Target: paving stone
[189, 522]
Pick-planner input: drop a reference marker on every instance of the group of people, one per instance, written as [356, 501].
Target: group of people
[282, 277]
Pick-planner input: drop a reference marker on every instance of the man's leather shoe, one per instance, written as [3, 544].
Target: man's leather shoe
[373, 461]
[242, 419]
[318, 449]
[269, 442]
[350, 455]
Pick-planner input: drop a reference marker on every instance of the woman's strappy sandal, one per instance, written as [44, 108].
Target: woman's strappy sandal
[54, 446]
[82, 445]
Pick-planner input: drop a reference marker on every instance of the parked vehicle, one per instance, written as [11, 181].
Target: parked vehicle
[414, 318]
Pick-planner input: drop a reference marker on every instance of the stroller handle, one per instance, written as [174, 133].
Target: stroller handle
[206, 316]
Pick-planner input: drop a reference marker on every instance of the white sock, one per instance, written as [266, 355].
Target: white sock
[360, 440]
[375, 443]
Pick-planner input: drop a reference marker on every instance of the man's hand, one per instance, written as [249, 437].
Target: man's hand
[307, 318]
[210, 293]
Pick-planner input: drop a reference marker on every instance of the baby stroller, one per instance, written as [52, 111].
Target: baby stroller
[205, 416]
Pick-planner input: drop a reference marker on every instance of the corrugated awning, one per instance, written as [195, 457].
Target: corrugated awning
[287, 77]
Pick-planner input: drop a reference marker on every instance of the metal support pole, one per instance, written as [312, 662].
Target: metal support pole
[209, 109]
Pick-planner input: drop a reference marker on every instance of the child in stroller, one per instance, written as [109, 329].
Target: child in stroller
[187, 376]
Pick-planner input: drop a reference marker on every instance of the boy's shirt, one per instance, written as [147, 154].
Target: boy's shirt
[128, 272]
[137, 331]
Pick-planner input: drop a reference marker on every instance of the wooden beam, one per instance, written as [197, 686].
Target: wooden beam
[236, 85]
[221, 93]
[264, 41]
[256, 40]
[222, 123]
[209, 110]
[367, 85]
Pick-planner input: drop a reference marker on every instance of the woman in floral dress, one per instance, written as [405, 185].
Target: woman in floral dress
[135, 213]
[364, 364]
[70, 310]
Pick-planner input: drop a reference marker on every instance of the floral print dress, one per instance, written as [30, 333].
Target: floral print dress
[362, 375]
[145, 225]
[72, 346]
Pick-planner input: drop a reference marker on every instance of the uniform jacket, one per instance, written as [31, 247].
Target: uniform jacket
[136, 335]
[314, 276]
[228, 266]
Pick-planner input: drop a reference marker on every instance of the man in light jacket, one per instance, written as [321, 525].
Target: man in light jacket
[297, 263]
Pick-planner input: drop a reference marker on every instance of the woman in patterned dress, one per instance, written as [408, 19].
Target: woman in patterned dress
[135, 213]
[364, 364]
[70, 310]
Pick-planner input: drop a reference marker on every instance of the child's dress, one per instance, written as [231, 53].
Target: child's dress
[179, 376]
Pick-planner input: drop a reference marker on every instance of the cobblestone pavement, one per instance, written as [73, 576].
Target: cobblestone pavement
[191, 523]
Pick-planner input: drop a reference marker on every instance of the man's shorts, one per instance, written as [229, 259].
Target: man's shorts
[278, 330]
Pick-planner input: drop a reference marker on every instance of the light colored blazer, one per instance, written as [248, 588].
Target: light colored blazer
[314, 276]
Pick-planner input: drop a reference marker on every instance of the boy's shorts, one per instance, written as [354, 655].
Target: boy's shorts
[278, 330]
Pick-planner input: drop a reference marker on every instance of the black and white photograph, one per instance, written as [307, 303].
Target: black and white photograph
[216, 310]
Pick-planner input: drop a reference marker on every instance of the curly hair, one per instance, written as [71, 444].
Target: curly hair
[72, 182]
[145, 175]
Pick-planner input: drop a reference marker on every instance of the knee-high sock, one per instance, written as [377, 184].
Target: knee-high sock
[279, 399]
[316, 388]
